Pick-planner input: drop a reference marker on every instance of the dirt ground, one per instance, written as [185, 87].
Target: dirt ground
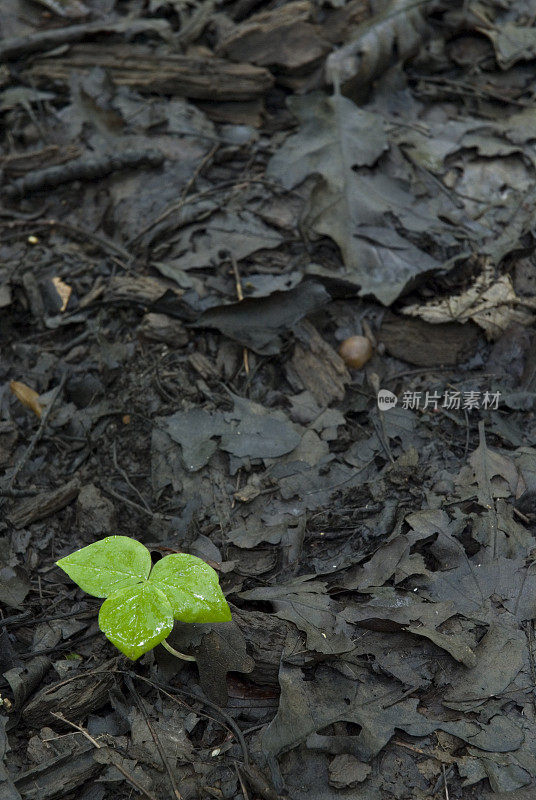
[201, 203]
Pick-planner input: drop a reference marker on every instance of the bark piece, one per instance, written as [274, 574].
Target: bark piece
[16, 164]
[250, 112]
[24, 679]
[203, 366]
[317, 367]
[140, 289]
[427, 345]
[265, 637]
[282, 37]
[83, 169]
[161, 328]
[34, 296]
[43, 505]
[59, 776]
[76, 698]
[13, 49]
[157, 72]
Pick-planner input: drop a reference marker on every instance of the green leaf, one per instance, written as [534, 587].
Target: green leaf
[137, 618]
[141, 604]
[108, 565]
[192, 588]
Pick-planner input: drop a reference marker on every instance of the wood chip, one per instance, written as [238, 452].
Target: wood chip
[59, 776]
[317, 367]
[203, 366]
[161, 328]
[43, 505]
[16, 164]
[427, 345]
[283, 37]
[77, 698]
[156, 72]
[140, 289]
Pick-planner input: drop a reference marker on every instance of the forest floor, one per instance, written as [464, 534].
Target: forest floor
[199, 203]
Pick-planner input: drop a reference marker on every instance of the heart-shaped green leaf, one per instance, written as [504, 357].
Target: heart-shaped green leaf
[136, 619]
[108, 565]
[192, 588]
[142, 603]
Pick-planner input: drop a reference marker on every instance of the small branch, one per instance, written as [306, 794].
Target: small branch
[84, 169]
[176, 653]
[127, 479]
[132, 504]
[240, 296]
[83, 731]
[139, 703]
[13, 49]
[445, 782]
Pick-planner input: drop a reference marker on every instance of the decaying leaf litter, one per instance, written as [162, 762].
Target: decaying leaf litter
[199, 203]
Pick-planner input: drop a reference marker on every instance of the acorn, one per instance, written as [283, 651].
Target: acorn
[356, 351]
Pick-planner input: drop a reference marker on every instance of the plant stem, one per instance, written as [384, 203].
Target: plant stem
[174, 652]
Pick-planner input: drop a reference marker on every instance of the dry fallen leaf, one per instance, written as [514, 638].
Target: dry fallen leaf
[64, 292]
[491, 302]
[28, 397]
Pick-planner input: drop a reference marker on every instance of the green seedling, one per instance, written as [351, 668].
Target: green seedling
[143, 599]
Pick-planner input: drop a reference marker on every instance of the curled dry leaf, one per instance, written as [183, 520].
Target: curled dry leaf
[394, 34]
[27, 396]
[490, 302]
[512, 43]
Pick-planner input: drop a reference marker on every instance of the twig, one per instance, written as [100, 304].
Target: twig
[445, 782]
[521, 516]
[83, 731]
[156, 740]
[162, 687]
[132, 504]
[467, 434]
[12, 49]
[403, 696]
[17, 618]
[24, 493]
[485, 495]
[381, 430]
[477, 91]
[127, 479]
[241, 780]
[529, 632]
[240, 296]
[421, 752]
[84, 169]
[176, 207]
